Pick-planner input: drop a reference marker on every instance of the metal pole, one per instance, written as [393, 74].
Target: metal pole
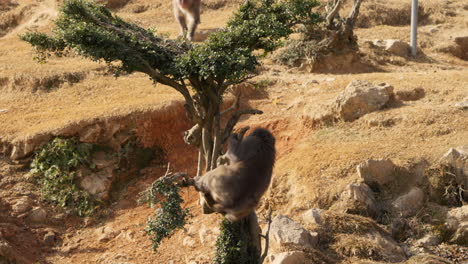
[414, 27]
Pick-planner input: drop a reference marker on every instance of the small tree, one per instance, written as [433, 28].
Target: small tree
[200, 73]
[334, 36]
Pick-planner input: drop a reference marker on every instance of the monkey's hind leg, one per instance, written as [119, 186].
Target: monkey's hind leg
[180, 17]
[193, 21]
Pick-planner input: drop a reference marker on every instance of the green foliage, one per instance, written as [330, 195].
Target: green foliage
[92, 31]
[258, 25]
[170, 217]
[54, 163]
[233, 247]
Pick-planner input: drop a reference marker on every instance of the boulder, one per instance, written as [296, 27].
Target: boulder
[106, 233]
[357, 198]
[428, 241]
[23, 149]
[457, 224]
[462, 105]
[97, 184]
[38, 215]
[390, 250]
[376, 172]
[458, 47]
[285, 231]
[313, 216]
[22, 205]
[293, 257]
[458, 159]
[49, 238]
[91, 134]
[409, 203]
[410, 95]
[394, 46]
[362, 97]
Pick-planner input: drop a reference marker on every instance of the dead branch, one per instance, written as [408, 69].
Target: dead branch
[266, 236]
[235, 118]
[353, 14]
[170, 177]
[331, 16]
[234, 105]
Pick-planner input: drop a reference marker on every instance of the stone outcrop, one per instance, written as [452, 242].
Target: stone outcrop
[313, 216]
[394, 46]
[458, 159]
[457, 223]
[376, 172]
[292, 257]
[358, 199]
[362, 97]
[284, 231]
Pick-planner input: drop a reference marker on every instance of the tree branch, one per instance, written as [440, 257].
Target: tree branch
[217, 140]
[353, 14]
[235, 105]
[266, 236]
[333, 12]
[235, 118]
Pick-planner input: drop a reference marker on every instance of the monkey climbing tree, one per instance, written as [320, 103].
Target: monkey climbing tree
[201, 73]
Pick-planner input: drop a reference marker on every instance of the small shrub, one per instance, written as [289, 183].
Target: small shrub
[232, 245]
[54, 164]
[443, 185]
[170, 217]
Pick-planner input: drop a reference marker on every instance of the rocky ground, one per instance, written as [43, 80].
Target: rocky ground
[372, 154]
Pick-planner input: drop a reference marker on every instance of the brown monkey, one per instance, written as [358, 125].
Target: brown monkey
[187, 13]
[235, 189]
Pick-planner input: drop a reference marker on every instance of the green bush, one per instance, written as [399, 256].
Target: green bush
[232, 245]
[170, 217]
[54, 164]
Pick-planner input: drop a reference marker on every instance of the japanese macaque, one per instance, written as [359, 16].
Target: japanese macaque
[235, 189]
[187, 13]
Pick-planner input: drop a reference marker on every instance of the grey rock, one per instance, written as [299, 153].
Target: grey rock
[97, 184]
[292, 257]
[362, 97]
[428, 240]
[380, 171]
[394, 46]
[22, 205]
[358, 199]
[457, 222]
[49, 238]
[458, 159]
[91, 134]
[285, 231]
[106, 233]
[462, 105]
[409, 203]
[38, 215]
[313, 216]
[391, 251]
